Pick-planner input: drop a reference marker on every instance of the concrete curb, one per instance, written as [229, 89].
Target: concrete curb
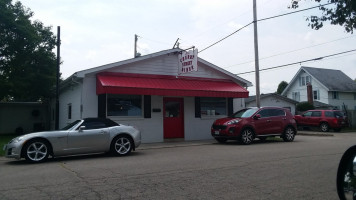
[312, 133]
[174, 144]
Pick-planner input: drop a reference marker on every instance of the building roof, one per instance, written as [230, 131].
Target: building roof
[103, 68]
[334, 80]
[253, 98]
[331, 79]
[318, 104]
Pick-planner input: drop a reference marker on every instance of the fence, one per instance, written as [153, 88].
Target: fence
[351, 114]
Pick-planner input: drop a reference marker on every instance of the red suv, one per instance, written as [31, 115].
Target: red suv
[325, 119]
[250, 123]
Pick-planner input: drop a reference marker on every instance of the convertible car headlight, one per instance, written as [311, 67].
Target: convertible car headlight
[16, 139]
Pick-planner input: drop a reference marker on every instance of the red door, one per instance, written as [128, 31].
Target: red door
[173, 120]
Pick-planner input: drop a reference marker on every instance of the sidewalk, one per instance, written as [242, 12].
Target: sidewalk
[174, 143]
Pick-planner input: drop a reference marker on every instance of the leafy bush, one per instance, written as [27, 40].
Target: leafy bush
[304, 106]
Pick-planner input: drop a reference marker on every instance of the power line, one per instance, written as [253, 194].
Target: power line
[227, 36]
[230, 20]
[314, 59]
[291, 51]
[259, 21]
[281, 15]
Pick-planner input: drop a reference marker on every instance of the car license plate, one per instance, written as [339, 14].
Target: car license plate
[216, 132]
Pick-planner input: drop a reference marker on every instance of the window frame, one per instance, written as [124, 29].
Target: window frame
[335, 95]
[121, 116]
[317, 96]
[302, 81]
[69, 111]
[307, 81]
[205, 115]
[296, 96]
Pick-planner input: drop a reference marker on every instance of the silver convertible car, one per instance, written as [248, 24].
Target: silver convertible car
[90, 135]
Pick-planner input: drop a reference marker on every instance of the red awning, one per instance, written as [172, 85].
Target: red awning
[163, 85]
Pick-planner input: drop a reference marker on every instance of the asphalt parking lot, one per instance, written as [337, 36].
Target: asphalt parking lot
[303, 169]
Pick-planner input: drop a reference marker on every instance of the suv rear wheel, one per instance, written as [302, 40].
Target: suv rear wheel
[324, 127]
[288, 135]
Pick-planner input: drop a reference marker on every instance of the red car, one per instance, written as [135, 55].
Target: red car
[325, 119]
[250, 123]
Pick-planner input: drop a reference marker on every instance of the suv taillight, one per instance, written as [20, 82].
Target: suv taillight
[335, 121]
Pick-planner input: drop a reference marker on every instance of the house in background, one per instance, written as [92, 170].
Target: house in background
[149, 93]
[272, 99]
[330, 88]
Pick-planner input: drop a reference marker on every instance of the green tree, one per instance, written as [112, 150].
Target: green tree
[341, 12]
[282, 85]
[27, 62]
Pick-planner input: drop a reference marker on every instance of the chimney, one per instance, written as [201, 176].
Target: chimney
[310, 93]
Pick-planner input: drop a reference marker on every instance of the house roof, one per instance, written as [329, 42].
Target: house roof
[253, 98]
[334, 80]
[81, 74]
[318, 104]
[331, 79]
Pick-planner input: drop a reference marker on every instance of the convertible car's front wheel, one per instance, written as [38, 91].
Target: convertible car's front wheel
[36, 151]
[121, 145]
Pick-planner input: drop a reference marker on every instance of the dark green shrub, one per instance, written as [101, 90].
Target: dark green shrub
[304, 106]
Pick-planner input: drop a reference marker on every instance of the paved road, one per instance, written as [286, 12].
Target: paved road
[303, 169]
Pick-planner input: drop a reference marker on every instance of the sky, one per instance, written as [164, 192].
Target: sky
[99, 32]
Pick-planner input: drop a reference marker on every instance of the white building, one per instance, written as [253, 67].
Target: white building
[147, 92]
[273, 99]
[329, 86]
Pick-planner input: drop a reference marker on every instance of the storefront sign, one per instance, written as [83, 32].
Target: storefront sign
[188, 61]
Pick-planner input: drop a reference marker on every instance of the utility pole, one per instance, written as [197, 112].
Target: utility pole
[135, 55]
[257, 67]
[58, 71]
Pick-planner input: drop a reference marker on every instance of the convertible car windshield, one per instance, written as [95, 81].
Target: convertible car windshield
[69, 126]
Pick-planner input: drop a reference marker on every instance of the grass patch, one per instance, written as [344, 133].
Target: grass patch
[4, 139]
[278, 139]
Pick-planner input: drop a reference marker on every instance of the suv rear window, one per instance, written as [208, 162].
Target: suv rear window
[338, 114]
[334, 114]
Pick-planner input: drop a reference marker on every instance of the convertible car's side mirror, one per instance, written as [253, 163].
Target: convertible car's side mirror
[346, 175]
[81, 128]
